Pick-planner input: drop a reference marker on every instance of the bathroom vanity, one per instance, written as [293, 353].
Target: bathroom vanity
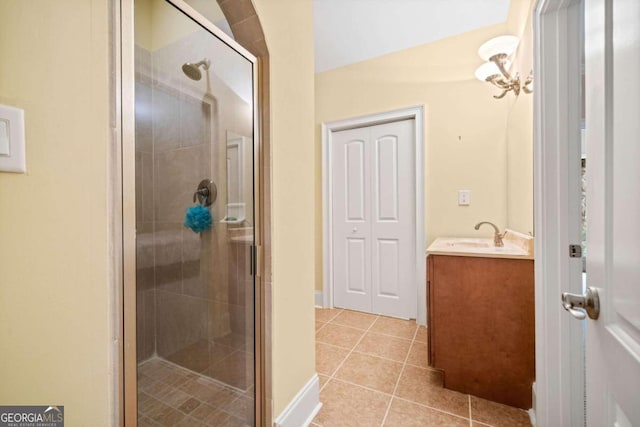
[481, 316]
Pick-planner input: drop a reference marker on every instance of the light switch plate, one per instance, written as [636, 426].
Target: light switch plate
[464, 197]
[5, 148]
[12, 141]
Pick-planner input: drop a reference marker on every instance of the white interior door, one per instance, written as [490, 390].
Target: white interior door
[351, 176]
[612, 47]
[393, 219]
[374, 222]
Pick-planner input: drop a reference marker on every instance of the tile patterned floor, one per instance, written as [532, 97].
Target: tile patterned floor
[373, 372]
[228, 359]
[170, 395]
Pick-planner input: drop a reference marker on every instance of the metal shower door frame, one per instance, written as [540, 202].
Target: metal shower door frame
[124, 210]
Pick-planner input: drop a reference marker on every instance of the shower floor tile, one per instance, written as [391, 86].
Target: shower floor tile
[170, 395]
[200, 356]
[224, 360]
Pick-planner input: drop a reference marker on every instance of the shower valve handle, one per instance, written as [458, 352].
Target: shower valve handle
[204, 192]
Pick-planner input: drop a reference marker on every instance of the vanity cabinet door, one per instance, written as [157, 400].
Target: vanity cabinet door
[481, 326]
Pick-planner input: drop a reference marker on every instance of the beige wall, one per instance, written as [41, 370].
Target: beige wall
[207, 8]
[520, 130]
[55, 332]
[158, 25]
[143, 24]
[288, 28]
[464, 127]
[466, 130]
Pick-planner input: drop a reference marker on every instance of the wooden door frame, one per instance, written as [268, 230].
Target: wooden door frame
[415, 113]
[559, 387]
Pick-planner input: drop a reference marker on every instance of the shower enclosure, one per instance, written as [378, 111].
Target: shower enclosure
[195, 221]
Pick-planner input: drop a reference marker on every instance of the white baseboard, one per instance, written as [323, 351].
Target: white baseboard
[319, 299]
[304, 406]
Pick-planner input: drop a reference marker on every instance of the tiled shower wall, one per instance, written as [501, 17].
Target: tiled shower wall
[191, 288]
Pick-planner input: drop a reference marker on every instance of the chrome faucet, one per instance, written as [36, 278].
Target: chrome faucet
[497, 237]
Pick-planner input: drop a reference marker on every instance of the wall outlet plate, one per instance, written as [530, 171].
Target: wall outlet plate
[464, 197]
[12, 140]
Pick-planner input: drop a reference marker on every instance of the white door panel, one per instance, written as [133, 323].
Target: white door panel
[356, 266]
[373, 194]
[388, 267]
[612, 46]
[386, 170]
[355, 180]
[351, 220]
[393, 225]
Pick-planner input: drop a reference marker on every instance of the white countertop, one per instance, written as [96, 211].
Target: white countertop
[516, 246]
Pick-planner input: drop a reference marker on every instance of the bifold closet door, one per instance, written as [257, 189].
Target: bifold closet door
[352, 219]
[393, 219]
[374, 224]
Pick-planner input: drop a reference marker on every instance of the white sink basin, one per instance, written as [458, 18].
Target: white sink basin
[469, 244]
[516, 245]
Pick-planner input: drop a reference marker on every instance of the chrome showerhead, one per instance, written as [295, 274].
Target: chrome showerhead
[192, 70]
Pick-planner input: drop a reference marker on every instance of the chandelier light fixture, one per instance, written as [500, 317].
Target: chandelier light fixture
[495, 71]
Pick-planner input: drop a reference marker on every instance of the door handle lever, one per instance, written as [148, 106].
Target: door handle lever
[575, 304]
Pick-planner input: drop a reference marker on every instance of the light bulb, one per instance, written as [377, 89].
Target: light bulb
[501, 44]
[487, 70]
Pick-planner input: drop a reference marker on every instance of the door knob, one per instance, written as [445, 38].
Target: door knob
[355, 230]
[589, 302]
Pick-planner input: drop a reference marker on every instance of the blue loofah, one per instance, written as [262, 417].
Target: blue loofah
[197, 218]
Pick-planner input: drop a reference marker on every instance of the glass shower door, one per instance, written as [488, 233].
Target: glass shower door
[195, 223]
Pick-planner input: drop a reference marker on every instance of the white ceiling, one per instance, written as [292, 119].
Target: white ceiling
[349, 31]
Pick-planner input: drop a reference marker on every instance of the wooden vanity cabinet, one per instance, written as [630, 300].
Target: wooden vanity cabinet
[481, 326]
